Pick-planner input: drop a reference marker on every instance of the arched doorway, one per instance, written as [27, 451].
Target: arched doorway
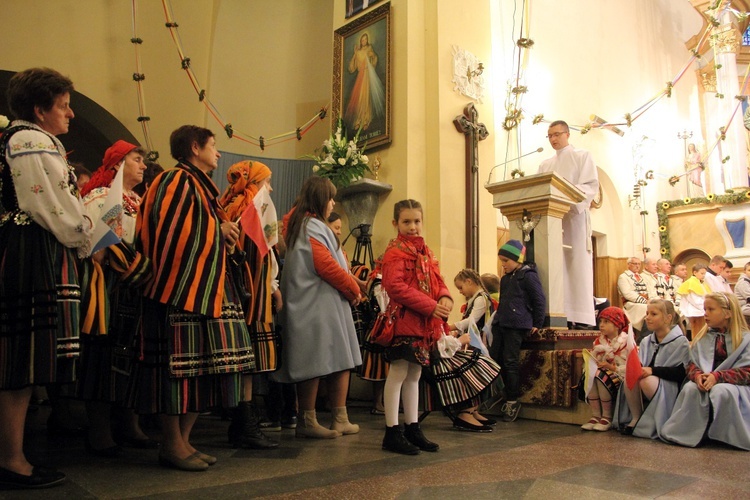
[690, 257]
[92, 131]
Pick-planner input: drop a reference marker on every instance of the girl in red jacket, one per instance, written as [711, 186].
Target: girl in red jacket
[422, 303]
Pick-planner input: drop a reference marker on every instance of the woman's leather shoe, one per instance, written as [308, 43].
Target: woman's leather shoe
[41, 477]
[210, 460]
[189, 464]
[463, 425]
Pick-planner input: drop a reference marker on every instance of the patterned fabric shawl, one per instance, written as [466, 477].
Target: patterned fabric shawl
[427, 272]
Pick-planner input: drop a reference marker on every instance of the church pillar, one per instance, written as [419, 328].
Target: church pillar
[714, 171]
[725, 41]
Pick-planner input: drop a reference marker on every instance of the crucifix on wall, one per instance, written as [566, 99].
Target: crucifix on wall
[468, 124]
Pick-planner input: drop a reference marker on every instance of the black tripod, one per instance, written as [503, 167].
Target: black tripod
[363, 247]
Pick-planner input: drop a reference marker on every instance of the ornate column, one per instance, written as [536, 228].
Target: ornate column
[725, 40]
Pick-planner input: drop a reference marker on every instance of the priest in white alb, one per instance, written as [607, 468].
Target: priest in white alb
[577, 167]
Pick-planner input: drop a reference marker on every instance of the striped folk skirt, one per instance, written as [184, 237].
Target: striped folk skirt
[610, 380]
[189, 362]
[462, 380]
[107, 360]
[374, 365]
[265, 342]
[40, 301]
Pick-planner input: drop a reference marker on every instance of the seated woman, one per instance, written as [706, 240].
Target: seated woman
[716, 401]
[664, 355]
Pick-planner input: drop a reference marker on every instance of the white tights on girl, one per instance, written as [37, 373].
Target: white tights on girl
[403, 380]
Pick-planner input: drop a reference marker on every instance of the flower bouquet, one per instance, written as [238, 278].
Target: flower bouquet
[339, 159]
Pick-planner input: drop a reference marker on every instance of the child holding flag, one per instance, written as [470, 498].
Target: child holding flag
[610, 354]
[660, 370]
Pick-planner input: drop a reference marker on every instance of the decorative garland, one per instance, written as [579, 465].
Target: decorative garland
[733, 198]
[144, 119]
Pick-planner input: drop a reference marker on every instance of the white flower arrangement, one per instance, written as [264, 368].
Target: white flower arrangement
[4, 122]
[339, 159]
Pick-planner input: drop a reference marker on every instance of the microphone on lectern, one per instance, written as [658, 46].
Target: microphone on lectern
[537, 150]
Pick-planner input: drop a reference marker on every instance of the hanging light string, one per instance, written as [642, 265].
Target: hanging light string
[138, 78]
[260, 141]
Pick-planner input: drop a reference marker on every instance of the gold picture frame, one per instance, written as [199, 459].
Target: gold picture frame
[362, 77]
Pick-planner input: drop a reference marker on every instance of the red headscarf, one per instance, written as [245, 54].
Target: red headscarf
[244, 179]
[105, 174]
[617, 317]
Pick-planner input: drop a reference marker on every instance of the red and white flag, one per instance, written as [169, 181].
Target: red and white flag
[633, 366]
[259, 221]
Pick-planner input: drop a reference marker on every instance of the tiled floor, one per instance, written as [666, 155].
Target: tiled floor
[524, 459]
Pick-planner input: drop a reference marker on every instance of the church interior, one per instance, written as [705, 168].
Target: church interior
[655, 90]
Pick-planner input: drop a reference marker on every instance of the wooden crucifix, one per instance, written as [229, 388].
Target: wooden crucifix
[468, 124]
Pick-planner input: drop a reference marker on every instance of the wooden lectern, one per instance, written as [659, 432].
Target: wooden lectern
[549, 196]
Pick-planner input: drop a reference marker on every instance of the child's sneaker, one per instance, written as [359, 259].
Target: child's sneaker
[511, 411]
[270, 425]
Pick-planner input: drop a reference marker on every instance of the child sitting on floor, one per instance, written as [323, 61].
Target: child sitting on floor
[611, 353]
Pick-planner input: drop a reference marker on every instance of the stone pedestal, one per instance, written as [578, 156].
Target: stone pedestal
[360, 200]
[549, 196]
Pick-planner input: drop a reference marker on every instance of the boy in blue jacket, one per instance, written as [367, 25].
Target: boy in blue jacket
[521, 311]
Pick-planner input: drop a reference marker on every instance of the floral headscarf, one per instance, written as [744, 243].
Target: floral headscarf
[244, 180]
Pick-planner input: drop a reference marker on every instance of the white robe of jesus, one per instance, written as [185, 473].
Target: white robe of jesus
[577, 167]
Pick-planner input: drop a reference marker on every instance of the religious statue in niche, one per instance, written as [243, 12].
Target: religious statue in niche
[467, 74]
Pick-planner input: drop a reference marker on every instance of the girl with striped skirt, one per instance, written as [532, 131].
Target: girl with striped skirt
[611, 353]
[420, 303]
[194, 344]
[463, 380]
[246, 178]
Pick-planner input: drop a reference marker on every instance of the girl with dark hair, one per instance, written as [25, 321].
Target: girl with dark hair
[318, 332]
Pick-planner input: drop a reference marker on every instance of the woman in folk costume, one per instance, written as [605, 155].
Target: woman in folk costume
[715, 403]
[194, 338]
[318, 335]
[42, 225]
[246, 178]
[664, 354]
[610, 352]
[113, 291]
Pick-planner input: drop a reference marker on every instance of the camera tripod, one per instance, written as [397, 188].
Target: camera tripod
[363, 247]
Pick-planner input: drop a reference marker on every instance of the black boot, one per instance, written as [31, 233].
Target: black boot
[395, 441]
[413, 434]
[244, 431]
